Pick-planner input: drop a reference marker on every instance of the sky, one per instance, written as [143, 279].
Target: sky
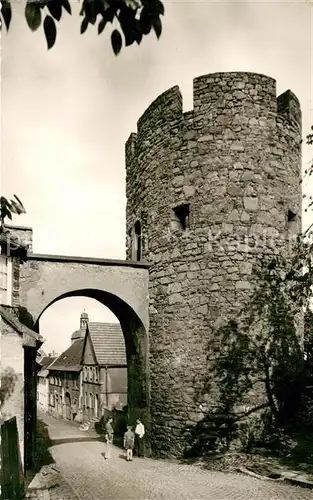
[67, 112]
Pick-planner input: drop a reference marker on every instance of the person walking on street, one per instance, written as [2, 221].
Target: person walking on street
[108, 435]
[129, 441]
[139, 438]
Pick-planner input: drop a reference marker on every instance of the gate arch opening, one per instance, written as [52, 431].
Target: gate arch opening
[136, 346]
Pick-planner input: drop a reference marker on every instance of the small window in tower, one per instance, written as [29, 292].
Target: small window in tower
[137, 240]
[291, 216]
[182, 214]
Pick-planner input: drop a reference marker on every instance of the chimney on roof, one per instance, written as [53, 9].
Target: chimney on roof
[84, 320]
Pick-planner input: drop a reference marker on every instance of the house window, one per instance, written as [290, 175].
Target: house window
[85, 372]
[181, 215]
[5, 280]
[90, 400]
[96, 375]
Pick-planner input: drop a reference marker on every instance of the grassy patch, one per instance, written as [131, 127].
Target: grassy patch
[263, 461]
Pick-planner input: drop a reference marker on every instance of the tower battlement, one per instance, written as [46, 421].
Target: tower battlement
[234, 90]
[288, 106]
[251, 95]
[166, 107]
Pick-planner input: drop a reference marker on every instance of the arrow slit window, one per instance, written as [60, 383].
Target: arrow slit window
[181, 217]
[138, 240]
[5, 280]
[135, 241]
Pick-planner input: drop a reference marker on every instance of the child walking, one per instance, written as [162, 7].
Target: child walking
[129, 441]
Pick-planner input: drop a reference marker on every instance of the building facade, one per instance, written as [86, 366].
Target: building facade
[43, 383]
[19, 343]
[104, 367]
[91, 375]
[64, 382]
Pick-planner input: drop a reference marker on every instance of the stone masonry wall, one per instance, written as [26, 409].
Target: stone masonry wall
[236, 160]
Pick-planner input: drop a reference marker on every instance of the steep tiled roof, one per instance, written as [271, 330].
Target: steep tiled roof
[46, 361]
[69, 360]
[108, 343]
[79, 334]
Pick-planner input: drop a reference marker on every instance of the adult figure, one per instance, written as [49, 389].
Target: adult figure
[139, 438]
[108, 436]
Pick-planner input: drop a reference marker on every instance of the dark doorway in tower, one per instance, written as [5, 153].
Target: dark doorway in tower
[138, 240]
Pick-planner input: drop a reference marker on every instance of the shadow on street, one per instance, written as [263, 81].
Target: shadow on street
[55, 442]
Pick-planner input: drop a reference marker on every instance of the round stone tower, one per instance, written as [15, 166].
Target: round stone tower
[207, 191]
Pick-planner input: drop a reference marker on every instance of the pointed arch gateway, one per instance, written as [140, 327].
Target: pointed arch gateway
[122, 286]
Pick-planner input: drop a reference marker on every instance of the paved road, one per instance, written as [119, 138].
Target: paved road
[93, 478]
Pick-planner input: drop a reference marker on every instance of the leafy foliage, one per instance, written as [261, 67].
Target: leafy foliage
[308, 337]
[135, 18]
[307, 173]
[9, 207]
[25, 317]
[258, 367]
[8, 379]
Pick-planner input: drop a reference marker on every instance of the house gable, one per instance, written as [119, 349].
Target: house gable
[89, 357]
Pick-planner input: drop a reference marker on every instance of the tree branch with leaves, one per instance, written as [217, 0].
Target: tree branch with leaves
[8, 208]
[134, 18]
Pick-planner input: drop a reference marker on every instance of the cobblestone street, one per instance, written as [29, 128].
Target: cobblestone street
[93, 478]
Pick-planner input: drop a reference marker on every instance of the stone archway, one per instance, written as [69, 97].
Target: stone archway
[137, 351]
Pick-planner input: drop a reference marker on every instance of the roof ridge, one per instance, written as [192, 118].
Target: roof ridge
[72, 362]
[104, 323]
